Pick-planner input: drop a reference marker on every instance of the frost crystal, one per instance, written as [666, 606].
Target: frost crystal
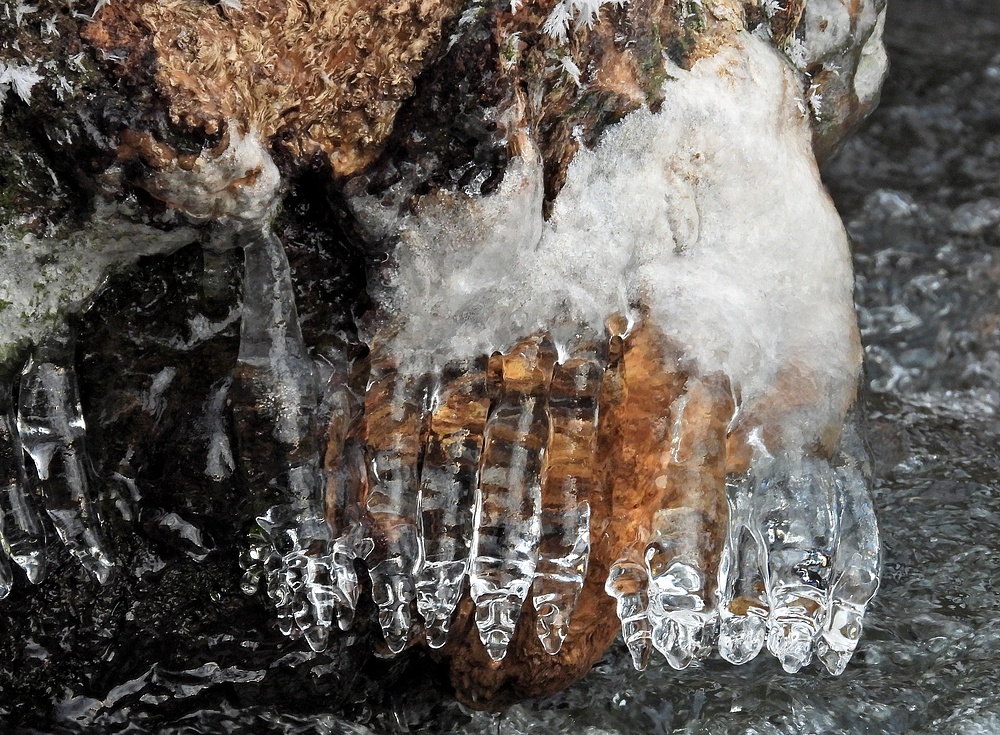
[570, 68]
[584, 11]
[771, 7]
[23, 9]
[20, 78]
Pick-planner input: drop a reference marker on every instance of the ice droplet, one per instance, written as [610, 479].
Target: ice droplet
[346, 485]
[52, 430]
[448, 481]
[677, 612]
[508, 504]
[682, 550]
[275, 395]
[742, 598]
[628, 583]
[564, 550]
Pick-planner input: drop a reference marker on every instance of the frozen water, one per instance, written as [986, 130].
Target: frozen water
[52, 432]
[628, 583]
[471, 277]
[448, 481]
[509, 502]
[276, 392]
[794, 518]
[564, 548]
[927, 661]
[394, 411]
[20, 525]
[743, 607]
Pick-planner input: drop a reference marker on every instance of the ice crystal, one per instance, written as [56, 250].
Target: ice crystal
[19, 78]
[584, 13]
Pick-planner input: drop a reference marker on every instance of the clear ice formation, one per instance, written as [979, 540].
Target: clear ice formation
[276, 383]
[394, 412]
[509, 502]
[52, 431]
[483, 475]
[855, 570]
[20, 526]
[801, 563]
[449, 478]
[564, 548]
[628, 583]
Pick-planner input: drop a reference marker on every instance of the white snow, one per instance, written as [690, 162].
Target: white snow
[873, 65]
[239, 185]
[710, 215]
[41, 277]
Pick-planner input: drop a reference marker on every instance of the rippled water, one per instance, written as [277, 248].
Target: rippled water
[920, 190]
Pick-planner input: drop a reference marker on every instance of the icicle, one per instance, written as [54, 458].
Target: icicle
[628, 583]
[855, 570]
[394, 409]
[20, 525]
[627, 580]
[275, 395]
[448, 481]
[742, 597]
[52, 430]
[6, 576]
[683, 545]
[564, 550]
[346, 486]
[794, 513]
[508, 505]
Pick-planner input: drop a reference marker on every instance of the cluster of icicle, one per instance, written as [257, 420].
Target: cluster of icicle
[799, 566]
[468, 505]
[47, 424]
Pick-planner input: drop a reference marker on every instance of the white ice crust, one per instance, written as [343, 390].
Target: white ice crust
[873, 64]
[710, 214]
[41, 278]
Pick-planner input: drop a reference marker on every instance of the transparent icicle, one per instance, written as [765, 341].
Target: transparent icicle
[50, 423]
[628, 583]
[564, 550]
[678, 614]
[627, 580]
[684, 541]
[275, 395]
[795, 519]
[448, 481]
[394, 410]
[345, 488]
[6, 576]
[855, 570]
[20, 525]
[742, 598]
[508, 506]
